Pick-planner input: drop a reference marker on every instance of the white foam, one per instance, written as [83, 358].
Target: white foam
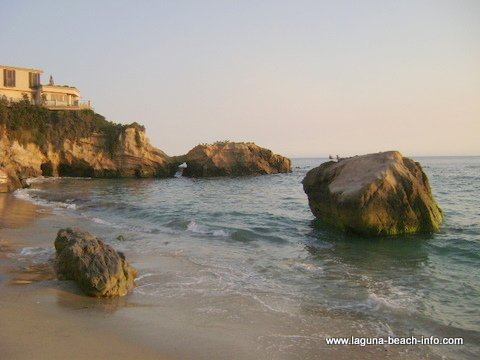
[30, 251]
[144, 276]
[305, 267]
[223, 233]
[394, 299]
[37, 253]
[196, 228]
[22, 194]
[26, 194]
[100, 221]
[43, 179]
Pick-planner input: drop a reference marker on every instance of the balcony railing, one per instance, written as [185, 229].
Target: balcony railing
[65, 105]
[53, 104]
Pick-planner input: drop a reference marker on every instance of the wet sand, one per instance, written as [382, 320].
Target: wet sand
[43, 318]
[32, 330]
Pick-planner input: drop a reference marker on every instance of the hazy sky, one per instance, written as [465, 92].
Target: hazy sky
[303, 78]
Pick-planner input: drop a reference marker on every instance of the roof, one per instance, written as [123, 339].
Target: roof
[59, 89]
[21, 68]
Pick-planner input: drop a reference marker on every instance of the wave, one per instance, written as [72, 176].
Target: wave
[37, 254]
[144, 276]
[26, 194]
[196, 228]
[100, 221]
[237, 235]
[307, 267]
[245, 236]
[43, 179]
[375, 302]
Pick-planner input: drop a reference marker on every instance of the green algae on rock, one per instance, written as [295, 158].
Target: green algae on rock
[375, 194]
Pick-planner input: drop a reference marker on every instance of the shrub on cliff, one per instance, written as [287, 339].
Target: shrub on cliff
[29, 123]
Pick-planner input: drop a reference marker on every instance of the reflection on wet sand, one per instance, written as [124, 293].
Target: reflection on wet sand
[71, 297]
[32, 273]
[15, 213]
[5, 249]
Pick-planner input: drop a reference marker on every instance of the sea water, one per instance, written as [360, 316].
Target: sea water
[255, 238]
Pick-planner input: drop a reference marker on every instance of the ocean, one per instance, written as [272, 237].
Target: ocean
[248, 248]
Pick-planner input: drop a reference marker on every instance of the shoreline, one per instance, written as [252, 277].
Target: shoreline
[39, 315]
[46, 317]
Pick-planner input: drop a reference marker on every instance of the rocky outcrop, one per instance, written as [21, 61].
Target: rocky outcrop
[96, 267]
[233, 159]
[8, 181]
[131, 155]
[374, 194]
[35, 141]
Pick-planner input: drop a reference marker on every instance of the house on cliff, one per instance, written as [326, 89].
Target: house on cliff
[18, 83]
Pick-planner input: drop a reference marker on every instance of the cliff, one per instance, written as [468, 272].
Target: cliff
[233, 159]
[375, 194]
[35, 141]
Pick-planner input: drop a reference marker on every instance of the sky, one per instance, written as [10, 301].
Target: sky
[303, 78]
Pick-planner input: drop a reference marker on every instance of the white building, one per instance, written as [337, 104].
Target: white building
[18, 83]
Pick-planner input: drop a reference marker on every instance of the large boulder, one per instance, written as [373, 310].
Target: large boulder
[375, 194]
[233, 159]
[96, 267]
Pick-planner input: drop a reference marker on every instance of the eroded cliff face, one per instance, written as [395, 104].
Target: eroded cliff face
[130, 155]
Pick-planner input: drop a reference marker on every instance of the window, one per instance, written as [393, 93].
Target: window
[8, 78]
[34, 79]
[58, 97]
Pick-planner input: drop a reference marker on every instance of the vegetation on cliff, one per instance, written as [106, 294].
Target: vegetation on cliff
[29, 123]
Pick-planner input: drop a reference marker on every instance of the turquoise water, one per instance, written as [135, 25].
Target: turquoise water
[256, 237]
